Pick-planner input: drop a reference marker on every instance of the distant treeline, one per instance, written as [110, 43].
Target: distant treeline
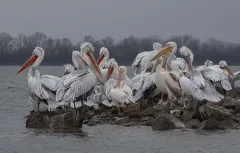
[16, 50]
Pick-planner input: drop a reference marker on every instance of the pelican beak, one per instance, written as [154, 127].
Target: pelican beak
[94, 63]
[31, 60]
[229, 71]
[100, 59]
[110, 72]
[163, 51]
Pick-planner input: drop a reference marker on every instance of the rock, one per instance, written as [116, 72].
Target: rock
[58, 121]
[230, 124]
[211, 124]
[237, 107]
[131, 124]
[186, 116]
[217, 112]
[235, 92]
[193, 124]
[121, 121]
[165, 121]
[163, 106]
[37, 120]
[176, 112]
[228, 103]
[93, 122]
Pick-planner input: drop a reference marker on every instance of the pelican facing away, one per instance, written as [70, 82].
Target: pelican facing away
[41, 87]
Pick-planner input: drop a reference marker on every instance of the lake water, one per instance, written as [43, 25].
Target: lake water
[15, 138]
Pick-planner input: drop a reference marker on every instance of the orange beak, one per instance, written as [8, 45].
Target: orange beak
[110, 72]
[31, 60]
[93, 61]
[228, 70]
[100, 59]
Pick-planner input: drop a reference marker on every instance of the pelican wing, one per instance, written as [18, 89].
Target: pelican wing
[37, 88]
[80, 86]
[211, 93]
[50, 82]
[197, 78]
[108, 86]
[188, 87]
[214, 73]
[179, 64]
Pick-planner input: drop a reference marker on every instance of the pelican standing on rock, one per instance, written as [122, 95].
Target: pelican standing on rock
[78, 86]
[41, 88]
[175, 82]
[118, 92]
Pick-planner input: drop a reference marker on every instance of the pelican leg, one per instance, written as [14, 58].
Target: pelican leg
[161, 99]
[119, 111]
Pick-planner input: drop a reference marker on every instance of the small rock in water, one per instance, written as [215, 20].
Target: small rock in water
[165, 122]
[211, 124]
[121, 121]
[193, 124]
[93, 122]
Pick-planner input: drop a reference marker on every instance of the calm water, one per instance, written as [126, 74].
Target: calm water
[15, 138]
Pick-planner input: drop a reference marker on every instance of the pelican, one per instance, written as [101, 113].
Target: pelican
[118, 92]
[68, 68]
[198, 78]
[78, 86]
[41, 87]
[141, 62]
[103, 57]
[175, 82]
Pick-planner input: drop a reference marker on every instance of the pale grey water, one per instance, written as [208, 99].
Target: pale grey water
[15, 138]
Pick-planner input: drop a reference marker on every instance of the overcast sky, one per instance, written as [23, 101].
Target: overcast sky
[121, 18]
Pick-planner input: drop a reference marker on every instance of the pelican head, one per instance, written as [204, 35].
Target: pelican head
[87, 50]
[104, 53]
[38, 54]
[68, 68]
[167, 49]
[122, 70]
[223, 65]
[208, 63]
[112, 66]
[187, 54]
[157, 46]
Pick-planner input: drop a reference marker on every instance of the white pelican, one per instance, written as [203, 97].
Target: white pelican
[198, 78]
[103, 57]
[77, 87]
[117, 91]
[40, 87]
[68, 68]
[142, 60]
[174, 81]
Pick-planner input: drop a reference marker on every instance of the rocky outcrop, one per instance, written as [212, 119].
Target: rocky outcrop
[196, 115]
[58, 121]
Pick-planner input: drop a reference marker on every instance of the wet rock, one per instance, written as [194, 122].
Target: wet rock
[228, 103]
[121, 121]
[186, 116]
[237, 107]
[211, 124]
[37, 120]
[176, 112]
[93, 121]
[193, 124]
[163, 106]
[235, 92]
[165, 121]
[59, 121]
[217, 112]
[231, 124]
[131, 124]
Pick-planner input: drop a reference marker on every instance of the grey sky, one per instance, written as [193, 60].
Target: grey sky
[121, 18]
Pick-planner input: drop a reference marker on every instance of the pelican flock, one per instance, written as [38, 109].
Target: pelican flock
[90, 82]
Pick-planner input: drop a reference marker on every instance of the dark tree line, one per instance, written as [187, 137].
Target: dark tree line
[15, 50]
